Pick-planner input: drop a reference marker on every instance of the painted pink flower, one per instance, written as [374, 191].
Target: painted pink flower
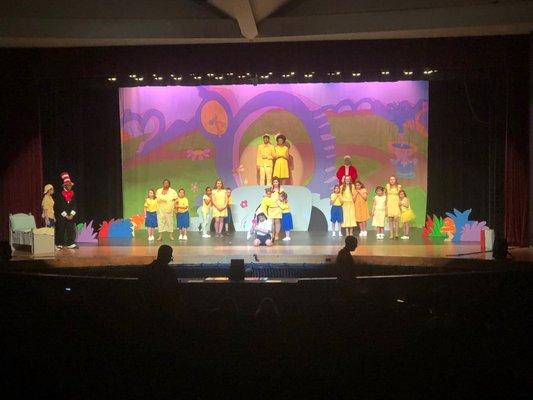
[194, 187]
[198, 154]
[244, 203]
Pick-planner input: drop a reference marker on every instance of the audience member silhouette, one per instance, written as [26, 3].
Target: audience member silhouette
[5, 252]
[267, 313]
[159, 282]
[344, 266]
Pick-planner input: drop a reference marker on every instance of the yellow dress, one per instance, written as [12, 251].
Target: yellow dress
[393, 201]
[165, 209]
[274, 209]
[219, 197]
[348, 209]
[361, 206]
[407, 213]
[281, 165]
[48, 207]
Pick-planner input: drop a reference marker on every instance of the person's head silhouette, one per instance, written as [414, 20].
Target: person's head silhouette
[350, 242]
[164, 254]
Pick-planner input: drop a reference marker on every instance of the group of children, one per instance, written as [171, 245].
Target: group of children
[272, 216]
[215, 204]
[349, 208]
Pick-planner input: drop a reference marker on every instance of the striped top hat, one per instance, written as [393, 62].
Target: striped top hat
[66, 178]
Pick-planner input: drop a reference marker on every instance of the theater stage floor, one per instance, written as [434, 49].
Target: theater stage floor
[305, 247]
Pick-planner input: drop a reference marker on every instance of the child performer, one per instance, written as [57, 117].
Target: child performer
[49, 219]
[407, 213]
[286, 216]
[379, 211]
[263, 231]
[348, 208]
[393, 206]
[182, 209]
[336, 211]
[219, 198]
[361, 207]
[281, 156]
[262, 208]
[228, 219]
[150, 214]
[274, 210]
[206, 212]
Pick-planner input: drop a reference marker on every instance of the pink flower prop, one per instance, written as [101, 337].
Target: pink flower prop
[244, 203]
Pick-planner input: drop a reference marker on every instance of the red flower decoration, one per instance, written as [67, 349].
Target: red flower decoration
[244, 203]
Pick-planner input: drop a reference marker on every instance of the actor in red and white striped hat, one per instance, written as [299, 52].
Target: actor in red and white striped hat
[65, 211]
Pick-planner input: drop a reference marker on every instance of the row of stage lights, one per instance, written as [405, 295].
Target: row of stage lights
[269, 76]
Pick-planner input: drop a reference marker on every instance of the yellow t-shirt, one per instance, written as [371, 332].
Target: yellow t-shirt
[150, 204]
[182, 205]
[265, 155]
[336, 199]
[265, 203]
[284, 207]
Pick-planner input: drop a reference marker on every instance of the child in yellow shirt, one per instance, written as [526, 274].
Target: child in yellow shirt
[336, 211]
[286, 216]
[150, 214]
[182, 209]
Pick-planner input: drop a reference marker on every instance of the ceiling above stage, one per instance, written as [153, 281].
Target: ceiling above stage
[60, 23]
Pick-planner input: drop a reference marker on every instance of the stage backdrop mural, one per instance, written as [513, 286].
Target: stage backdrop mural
[191, 135]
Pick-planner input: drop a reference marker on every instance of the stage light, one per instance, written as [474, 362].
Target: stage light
[133, 76]
[247, 74]
[158, 78]
[385, 72]
[429, 71]
[356, 74]
[293, 73]
[229, 74]
[177, 78]
[337, 73]
[139, 78]
[112, 79]
[408, 73]
[270, 73]
[210, 75]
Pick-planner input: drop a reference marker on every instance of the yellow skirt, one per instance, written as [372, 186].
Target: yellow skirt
[348, 215]
[281, 168]
[220, 214]
[407, 215]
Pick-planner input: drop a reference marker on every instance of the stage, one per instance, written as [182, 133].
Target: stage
[304, 248]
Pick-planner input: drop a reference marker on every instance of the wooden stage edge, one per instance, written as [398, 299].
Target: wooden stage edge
[384, 254]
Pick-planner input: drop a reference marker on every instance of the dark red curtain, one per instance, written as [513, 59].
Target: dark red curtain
[516, 180]
[21, 179]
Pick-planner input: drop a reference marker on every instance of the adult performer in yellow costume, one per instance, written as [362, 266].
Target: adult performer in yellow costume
[265, 161]
[281, 158]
